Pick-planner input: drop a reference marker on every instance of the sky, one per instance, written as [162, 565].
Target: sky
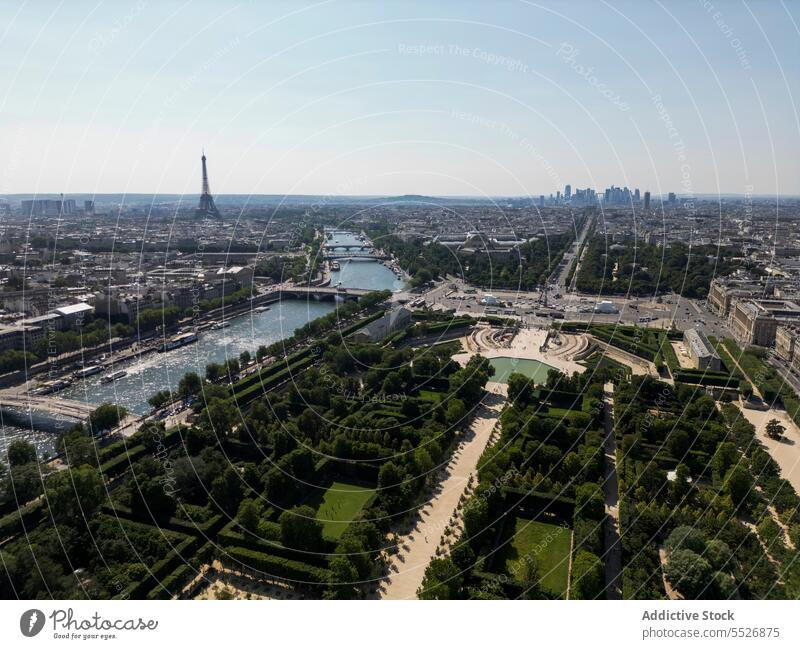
[339, 97]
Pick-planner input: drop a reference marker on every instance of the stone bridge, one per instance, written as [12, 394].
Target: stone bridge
[54, 405]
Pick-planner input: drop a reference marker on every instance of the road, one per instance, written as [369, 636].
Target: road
[417, 548]
[571, 254]
[612, 549]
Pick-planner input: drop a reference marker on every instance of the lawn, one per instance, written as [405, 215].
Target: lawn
[339, 505]
[549, 544]
[430, 395]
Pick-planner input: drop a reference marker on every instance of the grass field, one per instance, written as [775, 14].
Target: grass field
[549, 544]
[430, 395]
[339, 505]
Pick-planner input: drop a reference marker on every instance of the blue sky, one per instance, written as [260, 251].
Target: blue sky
[448, 98]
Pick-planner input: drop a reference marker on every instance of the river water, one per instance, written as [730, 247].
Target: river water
[162, 371]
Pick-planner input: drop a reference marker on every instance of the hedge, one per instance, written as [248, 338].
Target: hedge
[179, 525]
[15, 521]
[273, 566]
[708, 378]
[232, 535]
[266, 372]
[539, 501]
[247, 395]
[180, 553]
[173, 583]
[128, 454]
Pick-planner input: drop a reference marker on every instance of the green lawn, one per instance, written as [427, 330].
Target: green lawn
[429, 395]
[560, 413]
[549, 544]
[339, 505]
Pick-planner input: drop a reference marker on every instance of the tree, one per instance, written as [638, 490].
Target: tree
[189, 385]
[724, 457]
[587, 576]
[685, 538]
[75, 494]
[679, 443]
[442, 580]
[160, 399]
[226, 490]
[21, 452]
[344, 577]
[718, 554]
[22, 484]
[690, 574]
[105, 417]
[221, 415]
[476, 516]
[682, 483]
[423, 462]
[463, 556]
[78, 447]
[249, 515]
[456, 411]
[775, 429]
[468, 382]
[738, 484]
[245, 358]
[589, 502]
[520, 390]
[149, 498]
[300, 529]
[213, 371]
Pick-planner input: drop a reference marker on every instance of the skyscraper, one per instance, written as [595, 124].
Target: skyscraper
[567, 192]
[671, 198]
[646, 201]
[206, 207]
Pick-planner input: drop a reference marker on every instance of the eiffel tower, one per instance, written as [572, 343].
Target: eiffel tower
[206, 206]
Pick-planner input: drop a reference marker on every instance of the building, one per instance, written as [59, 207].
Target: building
[671, 198]
[647, 201]
[751, 324]
[722, 292]
[88, 207]
[48, 207]
[567, 192]
[74, 315]
[19, 337]
[784, 342]
[241, 276]
[389, 323]
[702, 353]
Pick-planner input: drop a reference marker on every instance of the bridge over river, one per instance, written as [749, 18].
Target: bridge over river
[339, 254]
[53, 405]
[321, 293]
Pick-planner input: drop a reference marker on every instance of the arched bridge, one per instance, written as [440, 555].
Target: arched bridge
[322, 293]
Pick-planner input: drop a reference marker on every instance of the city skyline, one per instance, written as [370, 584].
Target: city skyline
[350, 99]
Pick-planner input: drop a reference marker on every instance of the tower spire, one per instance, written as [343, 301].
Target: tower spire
[206, 207]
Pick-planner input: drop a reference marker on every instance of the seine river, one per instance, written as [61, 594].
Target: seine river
[162, 371]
